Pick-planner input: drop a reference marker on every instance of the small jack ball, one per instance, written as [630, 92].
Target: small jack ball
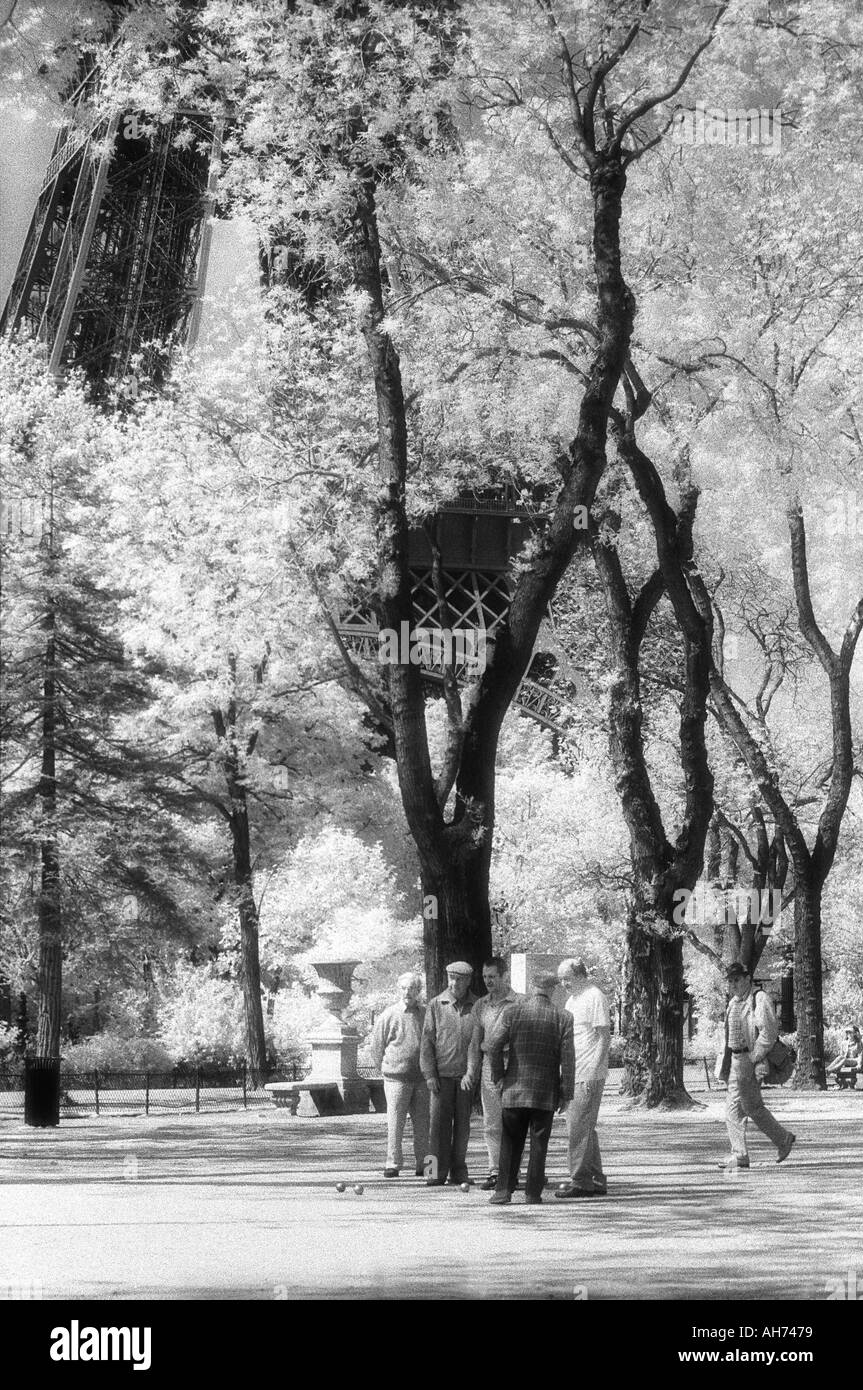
[465, 1187]
[340, 1187]
[359, 1189]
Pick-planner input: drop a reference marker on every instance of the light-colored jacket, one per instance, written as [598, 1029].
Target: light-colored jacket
[446, 1036]
[396, 1041]
[759, 1024]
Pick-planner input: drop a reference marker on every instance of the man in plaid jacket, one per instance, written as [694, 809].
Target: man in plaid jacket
[536, 1080]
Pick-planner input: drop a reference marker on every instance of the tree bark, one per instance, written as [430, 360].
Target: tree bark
[810, 1073]
[238, 822]
[250, 967]
[50, 911]
[653, 1013]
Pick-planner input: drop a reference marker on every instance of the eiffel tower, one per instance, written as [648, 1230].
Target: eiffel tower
[113, 266]
[111, 279]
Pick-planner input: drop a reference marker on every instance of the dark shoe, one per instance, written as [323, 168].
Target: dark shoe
[420, 1172]
[786, 1148]
[731, 1165]
[567, 1191]
[457, 1182]
[532, 1201]
[490, 1183]
[500, 1199]
[391, 1172]
[435, 1182]
[599, 1191]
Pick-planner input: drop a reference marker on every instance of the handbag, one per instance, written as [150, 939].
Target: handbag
[781, 1060]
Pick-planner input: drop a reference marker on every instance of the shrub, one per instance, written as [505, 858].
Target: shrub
[108, 1052]
[8, 1045]
[201, 1018]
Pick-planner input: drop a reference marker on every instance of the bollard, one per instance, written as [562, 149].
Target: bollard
[96, 1088]
[197, 1089]
[42, 1091]
[146, 1093]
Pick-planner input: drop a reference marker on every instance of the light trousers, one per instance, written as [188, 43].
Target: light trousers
[492, 1116]
[744, 1101]
[585, 1160]
[406, 1098]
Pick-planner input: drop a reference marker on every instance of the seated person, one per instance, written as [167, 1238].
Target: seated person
[849, 1062]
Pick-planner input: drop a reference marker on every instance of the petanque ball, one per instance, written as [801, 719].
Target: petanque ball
[465, 1187]
[340, 1187]
[359, 1189]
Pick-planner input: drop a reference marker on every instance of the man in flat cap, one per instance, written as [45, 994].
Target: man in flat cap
[443, 1061]
[750, 1032]
[536, 1079]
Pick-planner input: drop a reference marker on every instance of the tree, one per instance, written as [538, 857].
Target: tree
[74, 768]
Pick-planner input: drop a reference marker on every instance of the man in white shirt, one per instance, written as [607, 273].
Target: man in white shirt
[750, 1032]
[591, 1035]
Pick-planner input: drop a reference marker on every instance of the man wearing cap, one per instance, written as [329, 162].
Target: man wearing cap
[535, 1080]
[443, 1060]
[750, 1032]
[486, 1014]
[591, 1024]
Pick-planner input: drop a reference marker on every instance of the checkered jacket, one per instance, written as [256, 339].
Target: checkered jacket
[539, 1073]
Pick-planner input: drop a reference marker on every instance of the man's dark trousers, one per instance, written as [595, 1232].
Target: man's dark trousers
[449, 1128]
[517, 1120]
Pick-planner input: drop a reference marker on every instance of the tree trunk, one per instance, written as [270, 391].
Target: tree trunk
[653, 1016]
[810, 1071]
[250, 965]
[456, 919]
[50, 915]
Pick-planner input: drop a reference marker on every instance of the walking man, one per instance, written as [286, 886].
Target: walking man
[486, 1013]
[443, 1060]
[396, 1054]
[534, 1081]
[750, 1032]
[591, 1030]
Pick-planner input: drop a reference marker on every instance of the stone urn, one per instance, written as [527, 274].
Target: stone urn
[333, 1085]
[335, 985]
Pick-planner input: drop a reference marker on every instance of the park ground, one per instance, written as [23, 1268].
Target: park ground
[244, 1205]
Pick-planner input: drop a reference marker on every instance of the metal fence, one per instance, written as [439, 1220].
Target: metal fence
[182, 1090]
[195, 1090]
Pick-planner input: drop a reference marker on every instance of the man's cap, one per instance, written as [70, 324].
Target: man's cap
[737, 972]
[459, 967]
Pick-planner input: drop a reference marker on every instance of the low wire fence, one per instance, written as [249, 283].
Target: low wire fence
[182, 1090]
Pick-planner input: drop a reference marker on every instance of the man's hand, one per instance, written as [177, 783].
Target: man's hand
[466, 1083]
[434, 1086]
[498, 1086]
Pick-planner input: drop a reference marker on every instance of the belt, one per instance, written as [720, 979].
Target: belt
[736, 1051]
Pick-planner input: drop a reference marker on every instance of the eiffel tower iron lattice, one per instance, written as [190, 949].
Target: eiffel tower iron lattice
[111, 279]
[114, 262]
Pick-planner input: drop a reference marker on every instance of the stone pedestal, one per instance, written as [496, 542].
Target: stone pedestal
[522, 966]
[333, 1086]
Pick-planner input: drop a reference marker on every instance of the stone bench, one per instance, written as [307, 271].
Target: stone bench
[345, 1097]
